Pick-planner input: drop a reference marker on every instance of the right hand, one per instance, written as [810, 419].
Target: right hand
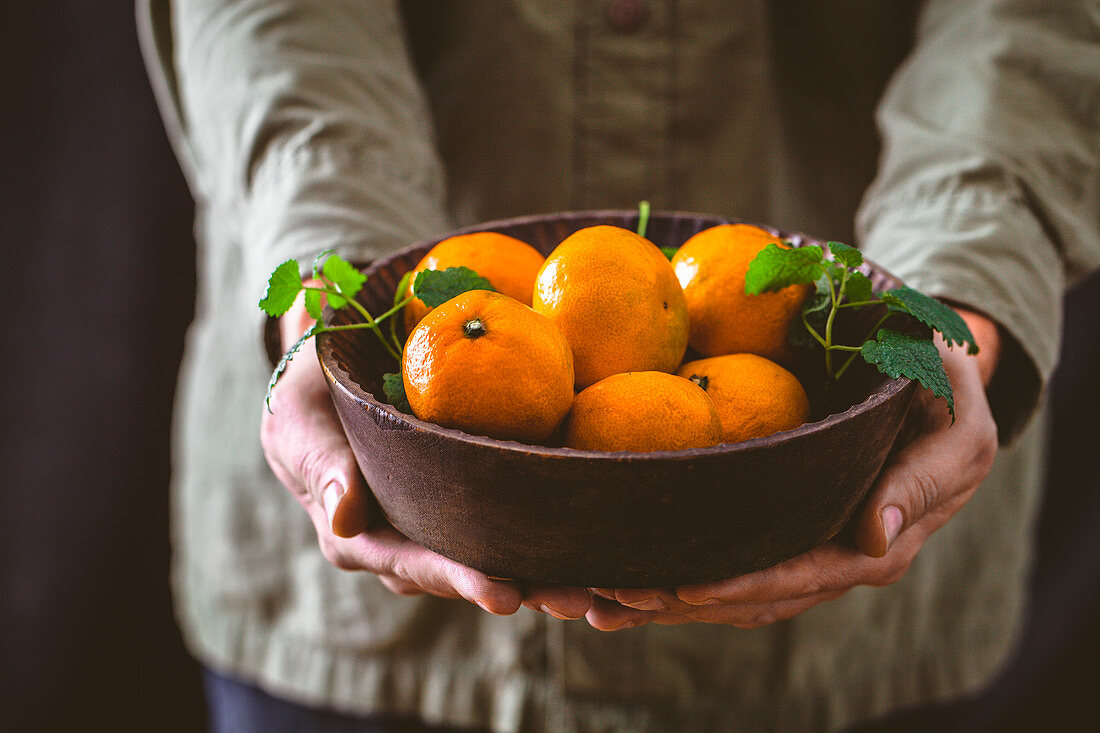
[306, 448]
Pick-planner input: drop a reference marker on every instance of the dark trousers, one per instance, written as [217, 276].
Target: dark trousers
[235, 706]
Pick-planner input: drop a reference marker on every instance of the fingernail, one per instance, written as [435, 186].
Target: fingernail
[649, 604]
[698, 602]
[330, 498]
[556, 614]
[628, 625]
[891, 524]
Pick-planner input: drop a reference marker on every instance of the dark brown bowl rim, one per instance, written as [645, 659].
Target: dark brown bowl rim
[341, 378]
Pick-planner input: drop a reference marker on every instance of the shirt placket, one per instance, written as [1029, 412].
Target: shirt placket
[625, 95]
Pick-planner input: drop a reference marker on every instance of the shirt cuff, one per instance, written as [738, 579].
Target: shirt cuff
[343, 198]
[983, 249]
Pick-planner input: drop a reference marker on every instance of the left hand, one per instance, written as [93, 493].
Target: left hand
[918, 491]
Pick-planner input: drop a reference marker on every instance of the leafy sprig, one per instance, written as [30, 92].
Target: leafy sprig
[337, 282]
[839, 285]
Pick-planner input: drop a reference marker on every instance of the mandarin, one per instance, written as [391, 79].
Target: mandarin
[642, 411]
[711, 267]
[489, 365]
[509, 264]
[616, 299]
[753, 395]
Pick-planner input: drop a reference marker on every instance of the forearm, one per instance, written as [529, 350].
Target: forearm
[307, 127]
[983, 197]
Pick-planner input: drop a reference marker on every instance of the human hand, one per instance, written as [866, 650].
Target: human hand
[306, 448]
[920, 489]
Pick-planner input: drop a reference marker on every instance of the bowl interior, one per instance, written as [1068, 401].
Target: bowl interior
[360, 362]
[603, 519]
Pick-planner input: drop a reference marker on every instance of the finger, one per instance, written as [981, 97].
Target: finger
[831, 567]
[386, 552]
[400, 586]
[561, 601]
[650, 599]
[308, 451]
[606, 615]
[353, 511]
[934, 476]
[753, 616]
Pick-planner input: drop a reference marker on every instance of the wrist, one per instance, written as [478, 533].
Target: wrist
[987, 334]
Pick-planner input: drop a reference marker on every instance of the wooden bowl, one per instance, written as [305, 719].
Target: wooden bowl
[600, 519]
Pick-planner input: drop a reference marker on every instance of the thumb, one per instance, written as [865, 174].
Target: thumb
[331, 476]
[878, 529]
[308, 451]
[912, 482]
[930, 479]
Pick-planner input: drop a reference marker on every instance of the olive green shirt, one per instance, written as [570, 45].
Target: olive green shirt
[365, 126]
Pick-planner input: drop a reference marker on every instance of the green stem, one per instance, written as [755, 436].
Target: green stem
[845, 365]
[370, 321]
[402, 286]
[373, 324]
[342, 327]
[856, 350]
[858, 303]
[643, 218]
[397, 306]
[829, 323]
[812, 331]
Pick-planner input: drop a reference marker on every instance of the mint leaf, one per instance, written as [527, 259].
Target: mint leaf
[313, 304]
[774, 268]
[933, 313]
[285, 360]
[858, 288]
[344, 278]
[394, 387]
[436, 287]
[845, 254]
[283, 287]
[896, 354]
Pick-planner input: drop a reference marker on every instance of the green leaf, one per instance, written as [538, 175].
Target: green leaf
[283, 287]
[285, 360]
[670, 252]
[845, 254]
[858, 288]
[345, 278]
[436, 287]
[313, 304]
[897, 354]
[933, 313]
[775, 268]
[394, 387]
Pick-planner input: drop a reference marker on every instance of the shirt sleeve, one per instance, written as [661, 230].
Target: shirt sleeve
[304, 127]
[988, 191]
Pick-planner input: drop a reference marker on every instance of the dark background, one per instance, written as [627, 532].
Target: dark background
[96, 229]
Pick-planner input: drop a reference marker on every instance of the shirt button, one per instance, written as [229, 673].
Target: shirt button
[627, 16]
